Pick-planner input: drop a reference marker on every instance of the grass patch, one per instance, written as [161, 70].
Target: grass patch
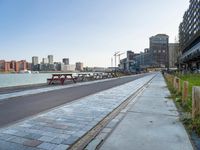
[193, 125]
[193, 79]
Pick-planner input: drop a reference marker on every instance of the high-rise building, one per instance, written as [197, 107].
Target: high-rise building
[35, 60]
[79, 66]
[45, 61]
[66, 61]
[35, 64]
[189, 37]
[50, 59]
[159, 50]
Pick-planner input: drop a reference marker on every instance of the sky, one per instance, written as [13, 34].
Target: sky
[88, 31]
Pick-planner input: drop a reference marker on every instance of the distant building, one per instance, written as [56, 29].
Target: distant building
[159, 50]
[95, 69]
[67, 67]
[129, 64]
[22, 65]
[29, 66]
[189, 37]
[173, 54]
[66, 61]
[79, 66]
[45, 61]
[57, 66]
[13, 66]
[143, 60]
[35, 63]
[2, 65]
[129, 60]
[50, 59]
[35, 60]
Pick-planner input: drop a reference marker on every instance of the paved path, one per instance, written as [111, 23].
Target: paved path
[19, 105]
[57, 129]
[23, 91]
[152, 123]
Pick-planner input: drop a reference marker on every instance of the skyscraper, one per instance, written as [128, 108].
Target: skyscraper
[35, 60]
[50, 59]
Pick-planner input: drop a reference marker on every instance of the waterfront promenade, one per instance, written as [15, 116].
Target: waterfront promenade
[19, 105]
[60, 127]
[147, 119]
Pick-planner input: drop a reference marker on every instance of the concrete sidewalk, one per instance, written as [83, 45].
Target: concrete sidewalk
[151, 123]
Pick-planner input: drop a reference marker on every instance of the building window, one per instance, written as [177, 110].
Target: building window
[163, 51]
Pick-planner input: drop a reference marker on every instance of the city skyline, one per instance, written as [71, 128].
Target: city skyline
[89, 31]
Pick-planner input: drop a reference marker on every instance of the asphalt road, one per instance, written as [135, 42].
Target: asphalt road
[15, 109]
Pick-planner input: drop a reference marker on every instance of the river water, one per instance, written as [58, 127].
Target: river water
[8, 80]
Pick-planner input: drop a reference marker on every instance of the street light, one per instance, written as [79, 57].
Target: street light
[116, 60]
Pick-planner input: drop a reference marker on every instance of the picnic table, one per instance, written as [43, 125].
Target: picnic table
[61, 77]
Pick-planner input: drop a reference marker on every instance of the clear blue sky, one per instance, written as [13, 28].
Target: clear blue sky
[89, 31]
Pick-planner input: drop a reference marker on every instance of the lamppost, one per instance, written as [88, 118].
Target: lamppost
[115, 55]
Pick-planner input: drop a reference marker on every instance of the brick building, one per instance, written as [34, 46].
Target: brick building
[13, 66]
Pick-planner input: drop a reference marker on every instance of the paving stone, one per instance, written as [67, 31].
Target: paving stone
[32, 143]
[61, 147]
[47, 146]
[21, 134]
[70, 140]
[57, 140]
[33, 136]
[13, 146]
[6, 137]
[46, 138]
[18, 140]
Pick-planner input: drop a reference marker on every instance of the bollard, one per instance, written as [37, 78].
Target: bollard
[185, 91]
[171, 79]
[195, 101]
[178, 82]
[174, 82]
